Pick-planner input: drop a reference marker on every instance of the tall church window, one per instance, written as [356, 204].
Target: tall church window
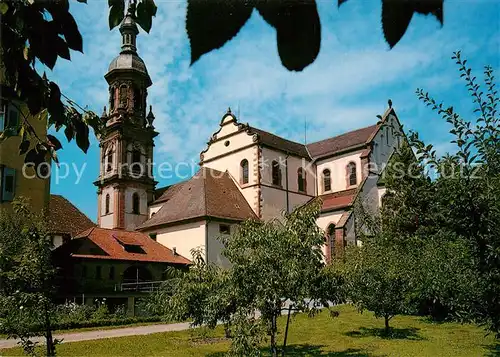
[109, 166]
[331, 240]
[351, 174]
[106, 204]
[112, 98]
[327, 180]
[123, 96]
[244, 171]
[276, 173]
[137, 99]
[136, 160]
[301, 179]
[135, 203]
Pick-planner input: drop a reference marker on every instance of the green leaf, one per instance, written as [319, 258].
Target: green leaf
[82, 136]
[4, 7]
[31, 157]
[298, 31]
[54, 142]
[62, 48]
[23, 147]
[210, 24]
[145, 12]
[69, 132]
[71, 33]
[116, 12]
[396, 16]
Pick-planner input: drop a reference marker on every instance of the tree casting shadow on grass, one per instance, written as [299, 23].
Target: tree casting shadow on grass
[394, 333]
[493, 350]
[309, 350]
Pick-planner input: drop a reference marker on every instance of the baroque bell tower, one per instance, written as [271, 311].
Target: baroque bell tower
[125, 184]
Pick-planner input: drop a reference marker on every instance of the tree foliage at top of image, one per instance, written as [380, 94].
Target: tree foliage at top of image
[35, 34]
[212, 23]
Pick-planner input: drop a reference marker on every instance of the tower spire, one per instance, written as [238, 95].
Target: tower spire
[129, 30]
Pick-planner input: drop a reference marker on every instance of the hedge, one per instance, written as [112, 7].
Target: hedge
[67, 325]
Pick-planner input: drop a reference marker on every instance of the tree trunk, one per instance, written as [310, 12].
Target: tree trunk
[286, 330]
[387, 328]
[274, 347]
[51, 350]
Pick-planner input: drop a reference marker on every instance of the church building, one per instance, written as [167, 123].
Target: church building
[245, 172]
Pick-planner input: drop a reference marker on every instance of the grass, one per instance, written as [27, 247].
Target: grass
[349, 335]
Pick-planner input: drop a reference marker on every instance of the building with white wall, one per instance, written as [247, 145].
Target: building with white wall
[268, 175]
[245, 172]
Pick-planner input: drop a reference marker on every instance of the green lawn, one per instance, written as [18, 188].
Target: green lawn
[351, 334]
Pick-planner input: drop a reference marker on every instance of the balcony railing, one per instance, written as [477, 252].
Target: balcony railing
[143, 286]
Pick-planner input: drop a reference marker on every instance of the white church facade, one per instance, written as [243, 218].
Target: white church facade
[245, 172]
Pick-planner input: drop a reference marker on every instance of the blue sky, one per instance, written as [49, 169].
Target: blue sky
[345, 88]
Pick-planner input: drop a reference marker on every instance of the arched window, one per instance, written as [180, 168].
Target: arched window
[106, 204]
[123, 96]
[327, 180]
[112, 97]
[135, 203]
[276, 173]
[109, 166]
[331, 240]
[244, 171]
[137, 99]
[301, 180]
[136, 160]
[351, 174]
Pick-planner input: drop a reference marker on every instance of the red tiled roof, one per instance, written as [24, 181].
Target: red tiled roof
[65, 218]
[110, 244]
[209, 193]
[168, 192]
[280, 143]
[341, 142]
[338, 200]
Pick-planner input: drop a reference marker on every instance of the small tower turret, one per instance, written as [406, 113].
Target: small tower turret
[125, 184]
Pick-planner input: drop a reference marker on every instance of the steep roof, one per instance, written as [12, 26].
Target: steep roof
[209, 193]
[65, 218]
[114, 244]
[341, 142]
[338, 200]
[168, 192]
[280, 143]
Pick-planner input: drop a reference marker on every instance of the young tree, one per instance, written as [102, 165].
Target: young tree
[468, 187]
[272, 263]
[377, 279]
[26, 278]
